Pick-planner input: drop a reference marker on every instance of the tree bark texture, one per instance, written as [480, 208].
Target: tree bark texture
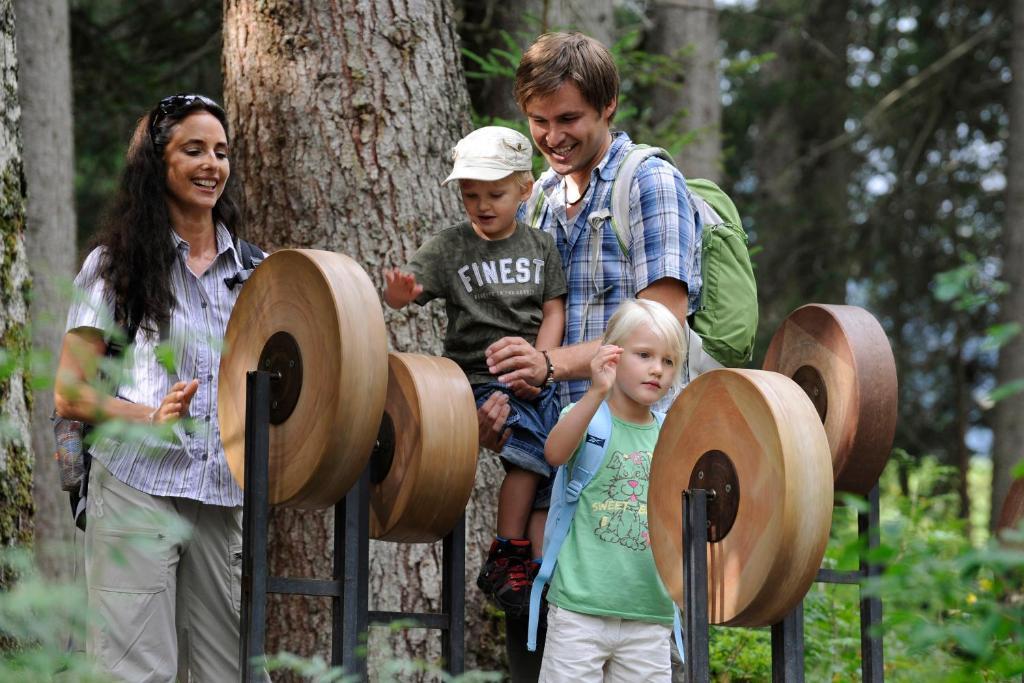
[805, 195]
[44, 84]
[483, 22]
[15, 439]
[1009, 427]
[690, 28]
[343, 119]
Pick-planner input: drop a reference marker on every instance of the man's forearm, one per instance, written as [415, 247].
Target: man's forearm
[573, 362]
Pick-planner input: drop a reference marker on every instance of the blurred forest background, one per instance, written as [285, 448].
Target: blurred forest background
[866, 143]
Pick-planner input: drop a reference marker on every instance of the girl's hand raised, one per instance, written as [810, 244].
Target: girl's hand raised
[602, 367]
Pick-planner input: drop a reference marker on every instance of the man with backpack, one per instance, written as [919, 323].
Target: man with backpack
[567, 85]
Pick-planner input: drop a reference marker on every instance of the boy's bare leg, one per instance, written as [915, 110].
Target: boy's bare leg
[535, 530]
[515, 502]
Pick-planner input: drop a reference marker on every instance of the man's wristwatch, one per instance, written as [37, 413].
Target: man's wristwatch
[550, 379]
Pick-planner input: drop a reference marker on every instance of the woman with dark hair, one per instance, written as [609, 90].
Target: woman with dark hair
[163, 541]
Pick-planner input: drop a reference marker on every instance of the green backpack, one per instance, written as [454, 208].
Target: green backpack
[727, 318]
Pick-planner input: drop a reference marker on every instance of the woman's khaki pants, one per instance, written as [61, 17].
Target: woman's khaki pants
[164, 580]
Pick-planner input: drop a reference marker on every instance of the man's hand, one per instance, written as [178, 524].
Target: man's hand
[524, 391]
[491, 417]
[400, 289]
[513, 360]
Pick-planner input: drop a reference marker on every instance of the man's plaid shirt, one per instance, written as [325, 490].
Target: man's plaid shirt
[664, 241]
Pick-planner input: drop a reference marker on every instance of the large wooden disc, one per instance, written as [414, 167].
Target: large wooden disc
[841, 357]
[767, 429]
[422, 476]
[328, 307]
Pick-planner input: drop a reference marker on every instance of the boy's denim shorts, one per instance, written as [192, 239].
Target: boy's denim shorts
[530, 422]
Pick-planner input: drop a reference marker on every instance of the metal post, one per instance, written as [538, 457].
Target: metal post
[254, 525]
[453, 597]
[788, 647]
[355, 598]
[695, 584]
[338, 574]
[348, 587]
[871, 656]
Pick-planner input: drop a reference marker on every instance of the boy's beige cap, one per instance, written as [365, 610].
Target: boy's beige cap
[490, 153]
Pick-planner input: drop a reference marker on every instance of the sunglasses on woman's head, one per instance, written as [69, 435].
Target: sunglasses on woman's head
[173, 104]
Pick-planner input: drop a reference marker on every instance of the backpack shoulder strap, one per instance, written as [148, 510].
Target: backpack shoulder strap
[250, 255]
[595, 443]
[677, 620]
[622, 183]
[565, 496]
[116, 347]
[535, 205]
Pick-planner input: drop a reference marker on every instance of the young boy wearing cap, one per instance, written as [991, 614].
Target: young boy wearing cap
[498, 278]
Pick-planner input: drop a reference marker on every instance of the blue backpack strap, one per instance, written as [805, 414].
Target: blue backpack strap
[565, 496]
[677, 618]
[677, 630]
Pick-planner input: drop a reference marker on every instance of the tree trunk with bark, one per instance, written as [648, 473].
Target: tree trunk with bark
[44, 56]
[689, 28]
[803, 192]
[1009, 427]
[343, 119]
[16, 507]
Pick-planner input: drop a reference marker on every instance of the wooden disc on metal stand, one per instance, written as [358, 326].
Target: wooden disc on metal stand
[754, 438]
[423, 467]
[313, 318]
[841, 357]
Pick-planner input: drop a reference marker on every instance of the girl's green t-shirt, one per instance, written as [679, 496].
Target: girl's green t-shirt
[605, 566]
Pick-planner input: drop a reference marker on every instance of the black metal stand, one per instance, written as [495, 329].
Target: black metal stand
[871, 658]
[348, 588]
[787, 635]
[695, 583]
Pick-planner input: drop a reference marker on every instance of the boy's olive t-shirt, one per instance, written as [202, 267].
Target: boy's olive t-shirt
[605, 566]
[492, 288]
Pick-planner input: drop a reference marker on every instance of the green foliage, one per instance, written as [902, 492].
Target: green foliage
[393, 670]
[36, 619]
[950, 607]
[641, 73]
[917, 121]
[953, 609]
[968, 287]
[127, 55]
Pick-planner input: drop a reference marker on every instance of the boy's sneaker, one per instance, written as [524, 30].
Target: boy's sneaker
[507, 575]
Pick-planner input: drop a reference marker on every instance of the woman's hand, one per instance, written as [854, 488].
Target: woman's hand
[174, 405]
[400, 289]
[602, 368]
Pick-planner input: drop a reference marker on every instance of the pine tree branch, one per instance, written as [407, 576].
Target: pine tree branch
[876, 113]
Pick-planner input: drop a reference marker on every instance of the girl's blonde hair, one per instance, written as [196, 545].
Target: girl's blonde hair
[633, 313]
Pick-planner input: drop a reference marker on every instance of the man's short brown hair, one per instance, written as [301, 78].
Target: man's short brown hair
[555, 58]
